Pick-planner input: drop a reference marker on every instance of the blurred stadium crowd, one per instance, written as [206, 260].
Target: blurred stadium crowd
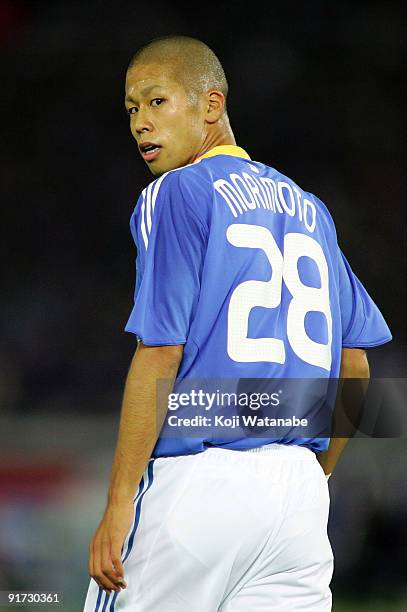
[316, 91]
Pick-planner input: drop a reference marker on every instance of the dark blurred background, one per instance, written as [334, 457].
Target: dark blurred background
[317, 90]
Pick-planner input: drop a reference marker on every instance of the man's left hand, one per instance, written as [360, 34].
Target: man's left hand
[105, 564]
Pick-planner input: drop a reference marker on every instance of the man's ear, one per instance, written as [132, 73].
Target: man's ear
[215, 106]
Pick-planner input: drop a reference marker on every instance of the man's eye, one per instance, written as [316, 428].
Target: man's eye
[132, 110]
[156, 101]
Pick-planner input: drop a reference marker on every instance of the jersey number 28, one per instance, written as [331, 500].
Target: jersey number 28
[267, 294]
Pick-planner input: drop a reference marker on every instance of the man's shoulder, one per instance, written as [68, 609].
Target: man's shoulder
[178, 180]
[187, 184]
[321, 207]
[279, 176]
[181, 193]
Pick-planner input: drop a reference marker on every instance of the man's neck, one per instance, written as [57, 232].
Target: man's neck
[222, 135]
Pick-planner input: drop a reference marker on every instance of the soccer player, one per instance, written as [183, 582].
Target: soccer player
[239, 276]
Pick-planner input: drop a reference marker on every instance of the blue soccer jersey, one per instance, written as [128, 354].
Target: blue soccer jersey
[242, 267]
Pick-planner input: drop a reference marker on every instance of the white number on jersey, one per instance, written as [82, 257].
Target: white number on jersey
[267, 294]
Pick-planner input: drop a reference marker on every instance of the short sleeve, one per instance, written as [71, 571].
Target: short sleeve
[168, 286]
[363, 324]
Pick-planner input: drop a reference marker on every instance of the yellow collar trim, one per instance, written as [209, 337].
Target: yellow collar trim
[225, 150]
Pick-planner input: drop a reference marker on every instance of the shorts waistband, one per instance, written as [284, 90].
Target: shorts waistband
[280, 452]
[291, 449]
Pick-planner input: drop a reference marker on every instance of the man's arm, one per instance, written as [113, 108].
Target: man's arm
[354, 364]
[140, 425]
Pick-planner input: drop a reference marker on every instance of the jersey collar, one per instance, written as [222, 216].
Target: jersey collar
[224, 150]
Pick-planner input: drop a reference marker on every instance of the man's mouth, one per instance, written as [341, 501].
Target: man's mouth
[149, 150]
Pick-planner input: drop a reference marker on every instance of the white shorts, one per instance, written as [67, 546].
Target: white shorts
[225, 531]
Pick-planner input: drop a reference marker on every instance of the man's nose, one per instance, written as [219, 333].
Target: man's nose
[142, 122]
